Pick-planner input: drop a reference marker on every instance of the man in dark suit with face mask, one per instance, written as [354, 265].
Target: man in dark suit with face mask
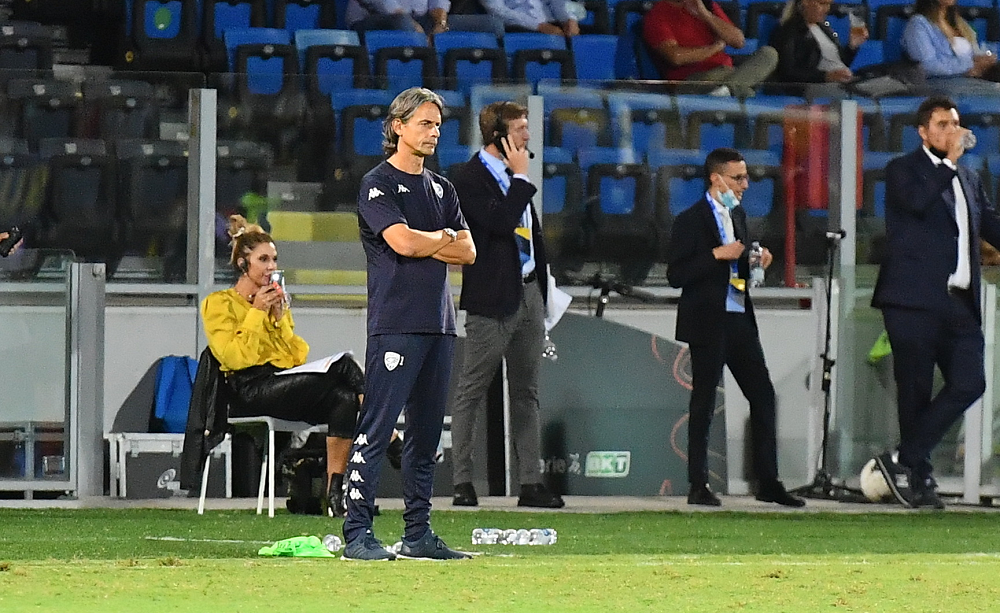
[708, 261]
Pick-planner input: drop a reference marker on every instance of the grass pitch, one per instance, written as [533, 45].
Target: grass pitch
[165, 560]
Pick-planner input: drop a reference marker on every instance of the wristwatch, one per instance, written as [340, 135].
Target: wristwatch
[451, 233]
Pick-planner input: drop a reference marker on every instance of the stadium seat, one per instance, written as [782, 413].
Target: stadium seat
[762, 18]
[646, 122]
[222, 15]
[840, 21]
[79, 213]
[153, 199]
[900, 115]
[890, 22]
[711, 122]
[23, 179]
[680, 181]
[120, 109]
[25, 45]
[400, 59]
[455, 119]
[241, 169]
[333, 60]
[594, 56]
[981, 114]
[869, 53]
[597, 19]
[295, 15]
[766, 117]
[575, 117]
[535, 56]
[43, 109]
[619, 211]
[562, 213]
[360, 114]
[467, 59]
[162, 35]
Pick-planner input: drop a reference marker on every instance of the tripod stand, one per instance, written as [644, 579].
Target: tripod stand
[823, 486]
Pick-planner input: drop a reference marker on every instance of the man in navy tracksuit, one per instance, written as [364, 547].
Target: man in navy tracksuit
[411, 229]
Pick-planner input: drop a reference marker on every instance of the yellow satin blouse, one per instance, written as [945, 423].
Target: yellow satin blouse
[241, 336]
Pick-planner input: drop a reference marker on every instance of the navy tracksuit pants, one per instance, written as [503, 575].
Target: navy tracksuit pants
[402, 372]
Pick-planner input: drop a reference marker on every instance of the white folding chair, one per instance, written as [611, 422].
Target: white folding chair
[267, 468]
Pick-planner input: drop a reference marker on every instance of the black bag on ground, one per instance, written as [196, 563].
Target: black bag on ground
[304, 470]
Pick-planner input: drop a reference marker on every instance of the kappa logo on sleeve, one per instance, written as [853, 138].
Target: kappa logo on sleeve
[374, 193]
[392, 360]
[438, 189]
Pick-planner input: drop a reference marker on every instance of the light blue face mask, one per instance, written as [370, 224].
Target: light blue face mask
[728, 199]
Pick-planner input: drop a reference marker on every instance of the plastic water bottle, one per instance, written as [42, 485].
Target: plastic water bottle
[332, 543]
[543, 536]
[756, 257]
[485, 536]
[495, 536]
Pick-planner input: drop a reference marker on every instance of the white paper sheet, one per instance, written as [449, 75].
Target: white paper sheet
[320, 366]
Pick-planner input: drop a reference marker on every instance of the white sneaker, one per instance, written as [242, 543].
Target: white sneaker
[721, 91]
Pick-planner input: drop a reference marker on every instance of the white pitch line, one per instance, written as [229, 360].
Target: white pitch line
[185, 540]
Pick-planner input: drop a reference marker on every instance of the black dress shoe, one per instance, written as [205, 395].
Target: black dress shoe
[536, 495]
[465, 496]
[925, 494]
[703, 495]
[775, 492]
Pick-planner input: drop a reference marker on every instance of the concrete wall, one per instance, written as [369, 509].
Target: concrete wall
[137, 336]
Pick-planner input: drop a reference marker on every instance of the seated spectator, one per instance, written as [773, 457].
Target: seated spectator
[425, 16]
[946, 48]
[545, 16]
[809, 51]
[251, 333]
[687, 39]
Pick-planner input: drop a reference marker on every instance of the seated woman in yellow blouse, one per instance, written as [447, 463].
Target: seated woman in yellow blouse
[251, 332]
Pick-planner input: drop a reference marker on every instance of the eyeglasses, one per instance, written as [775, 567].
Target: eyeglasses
[738, 178]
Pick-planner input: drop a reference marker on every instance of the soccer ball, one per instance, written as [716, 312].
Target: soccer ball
[873, 483]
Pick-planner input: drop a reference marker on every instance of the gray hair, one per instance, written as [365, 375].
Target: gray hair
[402, 108]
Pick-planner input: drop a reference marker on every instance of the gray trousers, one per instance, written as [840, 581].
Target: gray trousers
[517, 339]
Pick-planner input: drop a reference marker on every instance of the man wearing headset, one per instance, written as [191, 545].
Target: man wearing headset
[503, 294]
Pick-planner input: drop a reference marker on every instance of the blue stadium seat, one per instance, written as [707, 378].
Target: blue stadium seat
[119, 109]
[295, 15]
[575, 118]
[332, 60]
[598, 18]
[981, 114]
[467, 59]
[680, 180]
[900, 115]
[711, 122]
[762, 18]
[449, 155]
[594, 56]
[236, 37]
[764, 194]
[645, 122]
[222, 15]
[162, 35]
[619, 208]
[869, 53]
[535, 56]
[890, 22]
[766, 117]
[873, 178]
[400, 59]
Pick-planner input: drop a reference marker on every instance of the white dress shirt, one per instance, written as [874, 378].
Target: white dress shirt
[962, 276]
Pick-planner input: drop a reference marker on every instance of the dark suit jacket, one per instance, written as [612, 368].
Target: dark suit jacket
[799, 54]
[492, 287]
[921, 233]
[704, 281]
